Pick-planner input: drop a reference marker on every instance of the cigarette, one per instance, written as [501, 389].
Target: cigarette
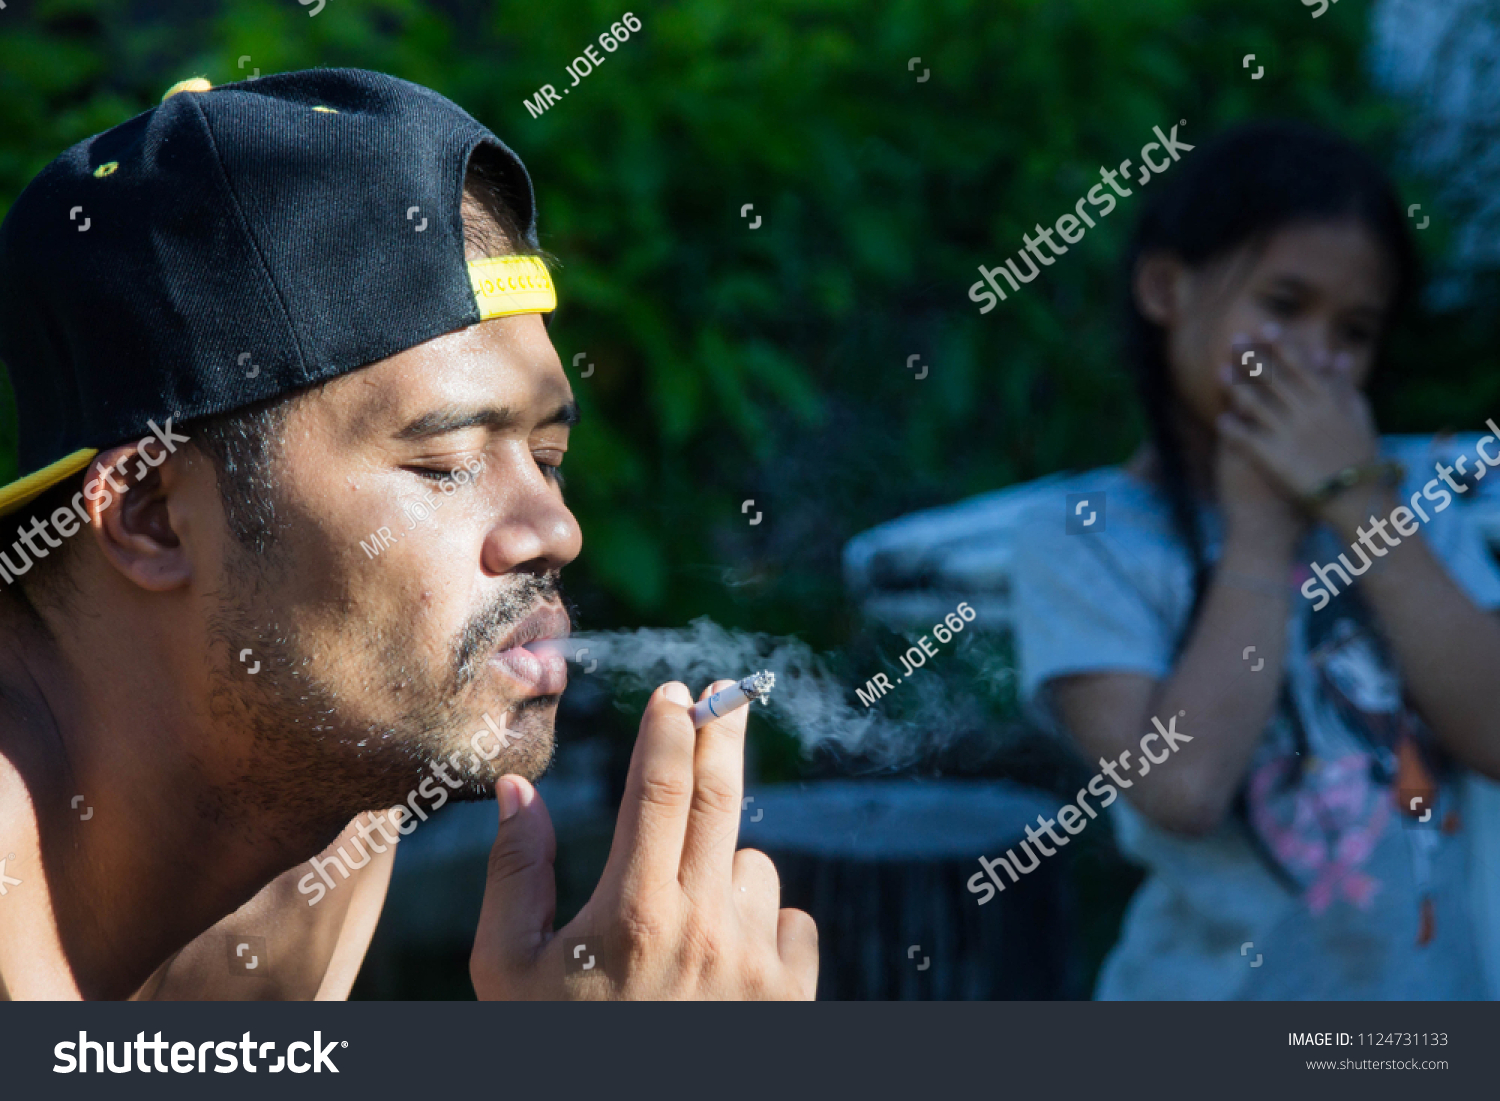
[757, 686]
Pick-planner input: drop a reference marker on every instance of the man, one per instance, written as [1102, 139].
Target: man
[249, 331]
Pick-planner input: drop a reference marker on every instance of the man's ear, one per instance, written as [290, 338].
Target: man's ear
[1158, 284]
[129, 500]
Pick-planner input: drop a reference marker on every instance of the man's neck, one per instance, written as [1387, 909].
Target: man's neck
[117, 802]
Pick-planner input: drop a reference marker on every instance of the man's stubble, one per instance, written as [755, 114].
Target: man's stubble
[309, 765]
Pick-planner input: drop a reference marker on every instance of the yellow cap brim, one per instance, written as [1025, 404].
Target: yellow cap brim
[25, 490]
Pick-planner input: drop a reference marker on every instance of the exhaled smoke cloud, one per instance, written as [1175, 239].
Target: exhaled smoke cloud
[809, 701]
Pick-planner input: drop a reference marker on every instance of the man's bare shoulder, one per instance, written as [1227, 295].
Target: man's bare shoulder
[32, 964]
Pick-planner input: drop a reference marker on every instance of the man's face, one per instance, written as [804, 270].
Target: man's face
[388, 612]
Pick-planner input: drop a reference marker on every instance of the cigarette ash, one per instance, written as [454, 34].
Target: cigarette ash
[758, 686]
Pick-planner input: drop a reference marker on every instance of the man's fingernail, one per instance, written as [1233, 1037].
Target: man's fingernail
[510, 799]
[677, 692]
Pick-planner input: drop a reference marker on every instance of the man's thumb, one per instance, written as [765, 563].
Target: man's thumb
[520, 894]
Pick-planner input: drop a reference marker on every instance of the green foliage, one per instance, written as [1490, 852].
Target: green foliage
[733, 363]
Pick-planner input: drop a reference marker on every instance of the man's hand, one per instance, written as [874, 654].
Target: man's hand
[678, 913]
[311, 952]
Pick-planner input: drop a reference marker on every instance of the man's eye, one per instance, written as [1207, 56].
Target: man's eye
[550, 461]
[435, 474]
[1281, 307]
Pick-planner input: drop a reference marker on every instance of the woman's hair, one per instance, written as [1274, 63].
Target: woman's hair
[1237, 191]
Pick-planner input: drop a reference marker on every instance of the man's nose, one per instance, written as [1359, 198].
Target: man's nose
[534, 527]
[548, 538]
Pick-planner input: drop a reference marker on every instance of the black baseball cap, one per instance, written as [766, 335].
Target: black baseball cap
[234, 244]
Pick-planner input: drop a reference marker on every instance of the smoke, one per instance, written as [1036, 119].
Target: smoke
[810, 700]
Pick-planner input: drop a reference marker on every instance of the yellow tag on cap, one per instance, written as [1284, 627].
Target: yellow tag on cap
[506, 285]
[192, 84]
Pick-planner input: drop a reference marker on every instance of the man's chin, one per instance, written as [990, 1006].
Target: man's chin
[476, 789]
[523, 744]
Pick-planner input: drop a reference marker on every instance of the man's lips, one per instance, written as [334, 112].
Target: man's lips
[548, 621]
[542, 672]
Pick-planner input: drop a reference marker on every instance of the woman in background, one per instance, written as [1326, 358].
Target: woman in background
[1287, 847]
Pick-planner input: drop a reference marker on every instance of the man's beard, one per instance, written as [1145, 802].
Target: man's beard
[311, 765]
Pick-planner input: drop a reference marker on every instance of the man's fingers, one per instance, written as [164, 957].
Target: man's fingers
[797, 945]
[757, 894]
[718, 782]
[520, 893]
[647, 850]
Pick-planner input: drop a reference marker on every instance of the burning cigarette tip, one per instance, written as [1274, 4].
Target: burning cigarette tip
[757, 686]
